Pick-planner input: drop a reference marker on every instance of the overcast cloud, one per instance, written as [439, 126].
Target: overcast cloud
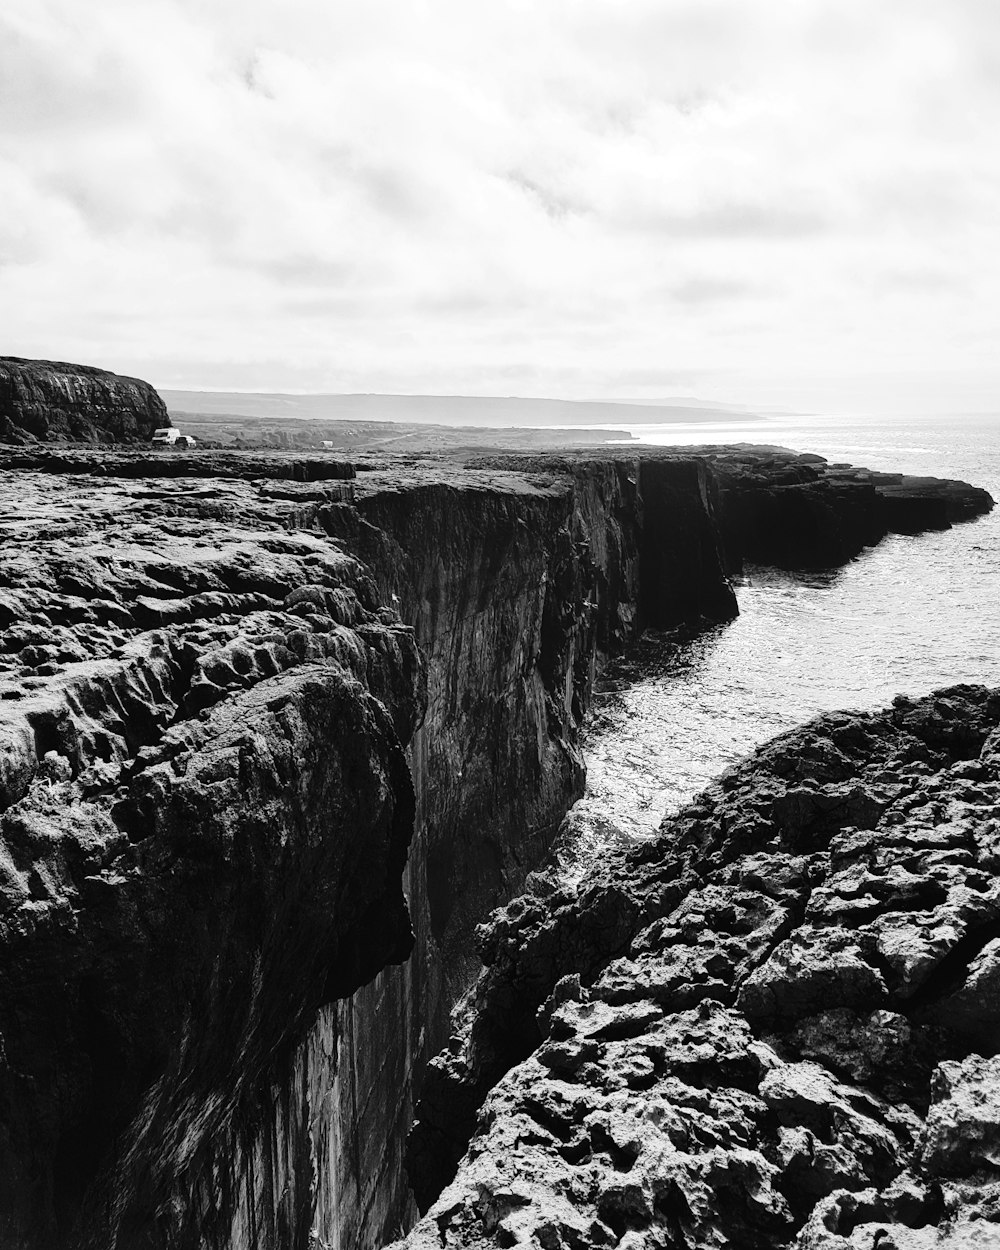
[781, 202]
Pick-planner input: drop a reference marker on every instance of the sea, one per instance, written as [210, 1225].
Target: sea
[910, 615]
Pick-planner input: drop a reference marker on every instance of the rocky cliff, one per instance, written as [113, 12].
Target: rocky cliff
[45, 400]
[215, 672]
[795, 511]
[776, 1024]
[803, 513]
[206, 812]
[518, 588]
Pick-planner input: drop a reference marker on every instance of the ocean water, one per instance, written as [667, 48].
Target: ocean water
[908, 616]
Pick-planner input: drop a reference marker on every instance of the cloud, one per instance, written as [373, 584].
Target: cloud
[430, 193]
[704, 290]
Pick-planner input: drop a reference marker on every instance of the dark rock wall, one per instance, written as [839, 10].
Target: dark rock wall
[795, 513]
[501, 586]
[518, 590]
[680, 542]
[48, 400]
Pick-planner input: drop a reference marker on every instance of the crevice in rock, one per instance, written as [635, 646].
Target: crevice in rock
[950, 973]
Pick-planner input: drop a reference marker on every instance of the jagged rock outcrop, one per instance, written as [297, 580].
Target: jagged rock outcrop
[46, 400]
[774, 1024]
[211, 667]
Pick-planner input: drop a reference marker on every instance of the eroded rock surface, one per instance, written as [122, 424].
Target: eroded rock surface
[777, 1024]
[206, 813]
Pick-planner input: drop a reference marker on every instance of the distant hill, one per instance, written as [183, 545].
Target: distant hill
[355, 437]
[467, 410]
[679, 401]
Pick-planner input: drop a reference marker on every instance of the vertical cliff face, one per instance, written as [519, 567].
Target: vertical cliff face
[515, 591]
[518, 588]
[45, 400]
[797, 512]
[681, 546]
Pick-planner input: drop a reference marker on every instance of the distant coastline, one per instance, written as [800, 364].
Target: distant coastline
[467, 410]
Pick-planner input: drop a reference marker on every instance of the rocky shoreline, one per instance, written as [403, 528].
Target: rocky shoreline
[775, 1024]
[249, 702]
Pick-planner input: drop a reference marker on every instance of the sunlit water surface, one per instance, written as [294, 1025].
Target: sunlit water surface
[909, 616]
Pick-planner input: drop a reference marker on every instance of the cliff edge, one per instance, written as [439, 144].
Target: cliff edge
[46, 401]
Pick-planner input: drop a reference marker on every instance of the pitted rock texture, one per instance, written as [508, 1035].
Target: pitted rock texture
[45, 400]
[206, 809]
[774, 1025]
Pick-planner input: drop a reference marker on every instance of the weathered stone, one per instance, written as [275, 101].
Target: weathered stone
[793, 958]
[962, 1134]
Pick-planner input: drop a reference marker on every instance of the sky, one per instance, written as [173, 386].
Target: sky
[778, 203]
